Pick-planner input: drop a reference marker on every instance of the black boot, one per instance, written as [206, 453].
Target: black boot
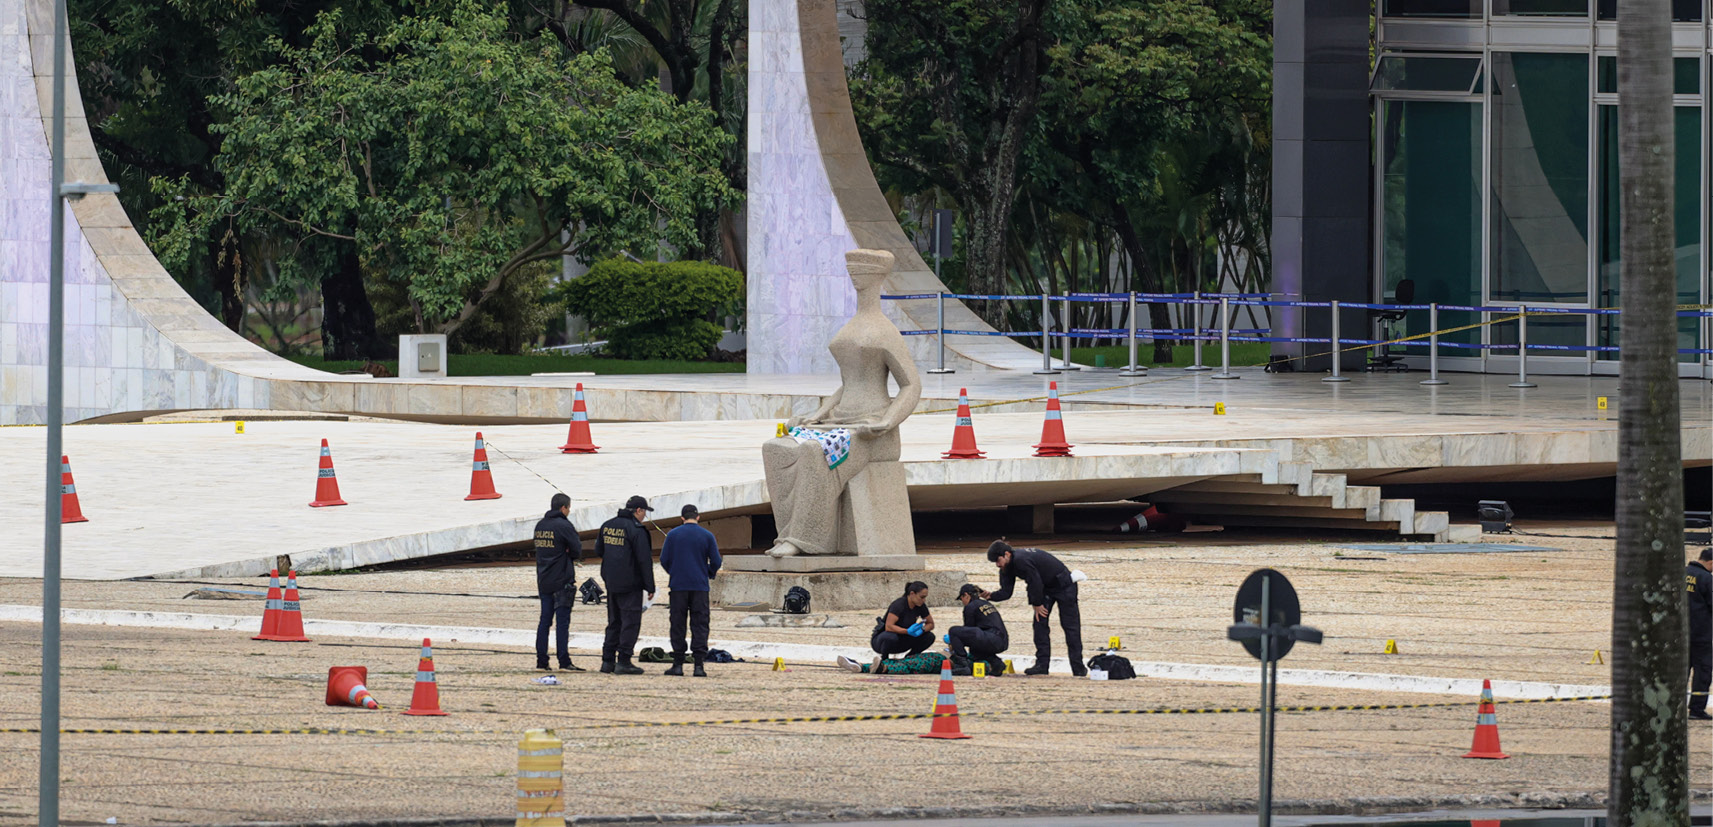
[699, 672]
[565, 665]
[677, 667]
[541, 663]
[625, 667]
[607, 666]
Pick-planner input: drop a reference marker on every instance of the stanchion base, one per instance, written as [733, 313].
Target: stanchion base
[939, 371]
[1069, 367]
[1198, 367]
[1433, 382]
[1225, 376]
[1335, 379]
[1141, 372]
[1046, 373]
[1522, 385]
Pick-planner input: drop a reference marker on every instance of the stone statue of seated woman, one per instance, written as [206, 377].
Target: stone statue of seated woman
[810, 467]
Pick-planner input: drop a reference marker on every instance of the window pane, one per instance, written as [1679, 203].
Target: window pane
[1426, 74]
[1685, 79]
[1432, 8]
[1687, 217]
[1533, 8]
[1432, 215]
[1540, 177]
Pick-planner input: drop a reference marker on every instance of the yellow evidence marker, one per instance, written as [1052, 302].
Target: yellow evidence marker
[1219, 409]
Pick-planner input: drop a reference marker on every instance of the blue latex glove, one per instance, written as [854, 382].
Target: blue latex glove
[946, 639]
[915, 629]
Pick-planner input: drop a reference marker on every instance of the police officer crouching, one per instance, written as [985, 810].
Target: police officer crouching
[983, 635]
[627, 566]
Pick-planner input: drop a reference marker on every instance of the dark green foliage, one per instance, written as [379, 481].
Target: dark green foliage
[650, 310]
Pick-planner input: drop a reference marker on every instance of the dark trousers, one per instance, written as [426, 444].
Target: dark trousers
[974, 643]
[624, 621]
[690, 608]
[1700, 673]
[893, 643]
[553, 616]
[1070, 619]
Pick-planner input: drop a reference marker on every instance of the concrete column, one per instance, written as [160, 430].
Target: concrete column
[1322, 235]
[1029, 519]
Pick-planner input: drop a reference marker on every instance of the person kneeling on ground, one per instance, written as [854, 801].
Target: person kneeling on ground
[908, 627]
[983, 635]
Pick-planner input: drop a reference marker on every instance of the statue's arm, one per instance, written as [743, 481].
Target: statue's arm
[820, 415]
[903, 370]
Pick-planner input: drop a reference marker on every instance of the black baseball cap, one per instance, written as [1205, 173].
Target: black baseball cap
[970, 589]
[636, 502]
[688, 512]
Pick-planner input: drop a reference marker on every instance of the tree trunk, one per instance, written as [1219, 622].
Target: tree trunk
[1145, 279]
[1649, 782]
[225, 269]
[347, 318]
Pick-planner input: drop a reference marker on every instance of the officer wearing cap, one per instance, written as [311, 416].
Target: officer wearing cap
[1049, 584]
[691, 558]
[983, 635]
[627, 566]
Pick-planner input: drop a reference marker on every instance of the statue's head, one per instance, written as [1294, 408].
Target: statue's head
[868, 268]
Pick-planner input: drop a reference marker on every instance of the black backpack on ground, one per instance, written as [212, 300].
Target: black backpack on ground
[1117, 668]
[592, 593]
[796, 601]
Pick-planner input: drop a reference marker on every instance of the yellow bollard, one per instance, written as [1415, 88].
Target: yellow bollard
[979, 669]
[540, 765]
[1219, 408]
[238, 427]
[1114, 643]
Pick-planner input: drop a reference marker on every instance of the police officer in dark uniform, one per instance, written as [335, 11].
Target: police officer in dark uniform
[1049, 583]
[1698, 580]
[983, 635]
[557, 551]
[627, 566]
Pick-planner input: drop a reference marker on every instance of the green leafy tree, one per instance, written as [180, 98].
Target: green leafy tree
[448, 156]
[653, 310]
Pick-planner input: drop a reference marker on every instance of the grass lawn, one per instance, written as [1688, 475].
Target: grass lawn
[1243, 354]
[482, 364]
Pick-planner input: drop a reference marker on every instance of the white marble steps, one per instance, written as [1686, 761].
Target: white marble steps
[1300, 497]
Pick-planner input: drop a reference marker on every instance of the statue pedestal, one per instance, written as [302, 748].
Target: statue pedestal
[805, 563]
[833, 591]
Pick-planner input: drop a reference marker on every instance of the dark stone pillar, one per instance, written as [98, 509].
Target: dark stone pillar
[1322, 237]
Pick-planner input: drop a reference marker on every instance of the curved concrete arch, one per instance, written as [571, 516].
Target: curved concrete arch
[812, 196]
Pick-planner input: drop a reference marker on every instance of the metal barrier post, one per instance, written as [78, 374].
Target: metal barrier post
[1337, 356]
[1046, 337]
[1133, 369]
[1065, 338]
[1522, 350]
[1195, 309]
[1224, 341]
[1433, 347]
[942, 335]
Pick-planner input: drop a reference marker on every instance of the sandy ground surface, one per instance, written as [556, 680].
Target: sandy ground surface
[1517, 616]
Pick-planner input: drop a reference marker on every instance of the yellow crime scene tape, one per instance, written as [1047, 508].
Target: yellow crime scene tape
[898, 716]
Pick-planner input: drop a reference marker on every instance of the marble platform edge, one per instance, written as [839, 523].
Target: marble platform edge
[827, 563]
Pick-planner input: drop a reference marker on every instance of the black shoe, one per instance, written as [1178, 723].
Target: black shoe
[625, 667]
[1699, 715]
[1037, 669]
[607, 667]
[677, 668]
[1078, 669]
[541, 663]
[699, 672]
[567, 666]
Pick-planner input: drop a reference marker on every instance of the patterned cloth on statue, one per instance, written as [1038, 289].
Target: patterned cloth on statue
[836, 443]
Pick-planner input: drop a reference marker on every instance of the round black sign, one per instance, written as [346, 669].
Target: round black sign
[1281, 604]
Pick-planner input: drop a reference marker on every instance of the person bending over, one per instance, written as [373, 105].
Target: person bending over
[1048, 583]
[908, 627]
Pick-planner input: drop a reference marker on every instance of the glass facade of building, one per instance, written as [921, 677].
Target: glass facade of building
[1496, 172]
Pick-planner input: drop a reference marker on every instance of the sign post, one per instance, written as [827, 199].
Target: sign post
[1267, 621]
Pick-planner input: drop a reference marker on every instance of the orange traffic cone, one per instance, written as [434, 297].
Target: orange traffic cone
[1053, 430]
[326, 483]
[290, 627]
[579, 440]
[1486, 728]
[271, 614]
[963, 434]
[945, 707]
[345, 687]
[1152, 519]
[426, 699]
[481, 479]
[69, 510]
